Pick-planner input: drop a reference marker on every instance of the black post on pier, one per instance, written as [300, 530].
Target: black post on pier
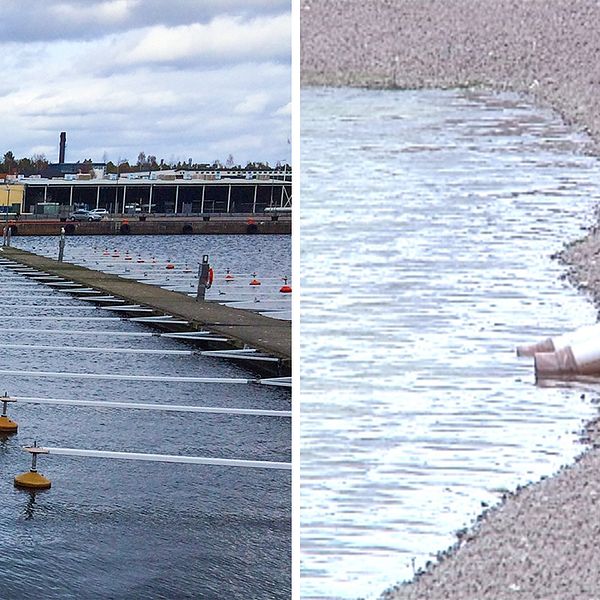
[204, 281]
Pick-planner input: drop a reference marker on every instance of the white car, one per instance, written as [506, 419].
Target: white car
[102, 212]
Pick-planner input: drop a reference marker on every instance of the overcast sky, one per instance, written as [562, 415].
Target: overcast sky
[177, 79]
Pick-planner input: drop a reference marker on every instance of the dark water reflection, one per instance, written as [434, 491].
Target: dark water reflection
[129, 529]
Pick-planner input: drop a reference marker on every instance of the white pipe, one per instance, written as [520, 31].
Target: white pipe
[553, 344]
[582, 357]
[178, 379]
[197, 460]
[167, 407]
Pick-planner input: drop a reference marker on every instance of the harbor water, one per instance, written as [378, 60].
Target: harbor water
[428, 221]
[133, 529]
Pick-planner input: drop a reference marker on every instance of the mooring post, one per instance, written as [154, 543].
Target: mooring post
[61, 244]
[4, 230]
[8, 235]
[203, 278]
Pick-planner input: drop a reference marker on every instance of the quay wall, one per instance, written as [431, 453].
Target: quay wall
[165, 226]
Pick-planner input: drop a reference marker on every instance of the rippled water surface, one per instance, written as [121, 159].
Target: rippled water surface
[428, 220]
[128, 529]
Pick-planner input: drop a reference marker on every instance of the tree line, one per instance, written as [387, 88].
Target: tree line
[38, 163]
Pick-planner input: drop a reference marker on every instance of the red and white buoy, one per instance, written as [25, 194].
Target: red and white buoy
[254, 281]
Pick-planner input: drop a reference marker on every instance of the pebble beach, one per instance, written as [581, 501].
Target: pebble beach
[541, 540]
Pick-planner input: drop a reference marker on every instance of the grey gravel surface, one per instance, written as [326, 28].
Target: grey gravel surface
[549, 49]
[543, 541]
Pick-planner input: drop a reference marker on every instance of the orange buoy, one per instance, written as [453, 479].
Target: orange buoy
[285, 288]
[254, 280]
[170, 266]
[228, 275]
[128, 258]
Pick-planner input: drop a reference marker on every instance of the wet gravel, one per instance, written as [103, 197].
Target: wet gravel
[549, 50]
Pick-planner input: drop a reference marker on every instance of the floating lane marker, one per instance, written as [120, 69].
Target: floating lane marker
[61, 318]
[164, 407]
[83, 332]
[200, 335]
[133, 308]
[170, 379]
[195, 460]
[98, 350]
[242, 354]
[277, 381]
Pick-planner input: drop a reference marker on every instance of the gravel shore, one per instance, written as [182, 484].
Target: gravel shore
[542, 540]
[549, 49]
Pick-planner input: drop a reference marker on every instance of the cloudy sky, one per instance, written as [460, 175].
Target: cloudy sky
[178, 79]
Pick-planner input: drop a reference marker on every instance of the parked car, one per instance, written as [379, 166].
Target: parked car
[100, 211]
[84, 215]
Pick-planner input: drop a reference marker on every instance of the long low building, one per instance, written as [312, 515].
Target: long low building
[179, 196]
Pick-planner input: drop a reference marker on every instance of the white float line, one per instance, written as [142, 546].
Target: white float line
[105, 299]
[91, 332]
[170, 379]
[46, 307]
[186, 335]
[163, 407]
[277, 381]
[196, 460]
[232, 354]
[98, 350]
[66, 285]
[133, 308]
[61, 318]
[19, 297]
[165, 320]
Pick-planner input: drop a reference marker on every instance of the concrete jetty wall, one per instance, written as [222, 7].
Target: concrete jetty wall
[242, 327]
[158, 226]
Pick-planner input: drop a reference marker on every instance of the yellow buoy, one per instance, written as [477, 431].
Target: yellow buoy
[32, 481]
[7, 425]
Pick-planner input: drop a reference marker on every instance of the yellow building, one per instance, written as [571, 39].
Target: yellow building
[11, 198]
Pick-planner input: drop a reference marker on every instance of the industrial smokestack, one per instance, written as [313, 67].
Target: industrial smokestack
[63, 143]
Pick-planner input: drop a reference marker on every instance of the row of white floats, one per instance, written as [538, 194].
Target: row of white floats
[35, 480]
[108, 303]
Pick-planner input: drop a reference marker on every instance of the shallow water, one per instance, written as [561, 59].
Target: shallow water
[428, 221]
[127, 529]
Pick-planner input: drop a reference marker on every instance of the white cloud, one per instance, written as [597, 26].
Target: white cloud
[197, 89]
[255, 103]
[105, 13]
[228, 38]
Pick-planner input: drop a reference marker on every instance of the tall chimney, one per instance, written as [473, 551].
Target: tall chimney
[63, 143]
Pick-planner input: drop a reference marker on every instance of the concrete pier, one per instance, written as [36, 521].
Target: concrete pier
[242, 327]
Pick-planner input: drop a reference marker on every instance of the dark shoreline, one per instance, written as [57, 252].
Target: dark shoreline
[539, 541]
